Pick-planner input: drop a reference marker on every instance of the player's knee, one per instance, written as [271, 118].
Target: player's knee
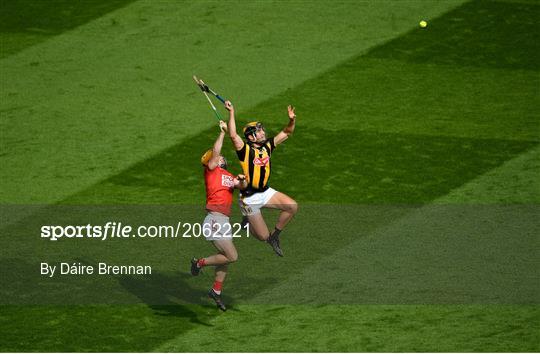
[232, 257]
[293, 207]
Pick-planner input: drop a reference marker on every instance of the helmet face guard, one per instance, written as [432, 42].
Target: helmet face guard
[252, 128]
[224, 164]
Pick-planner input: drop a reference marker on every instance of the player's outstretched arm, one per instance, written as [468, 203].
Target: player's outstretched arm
[289, 129]
[216, 150]
[236, 139]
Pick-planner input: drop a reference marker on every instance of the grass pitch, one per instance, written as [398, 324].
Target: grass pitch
[389, 114]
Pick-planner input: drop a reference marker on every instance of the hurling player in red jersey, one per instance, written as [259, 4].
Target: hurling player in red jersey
[220, 185]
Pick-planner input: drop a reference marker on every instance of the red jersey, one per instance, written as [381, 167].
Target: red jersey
[219, 190]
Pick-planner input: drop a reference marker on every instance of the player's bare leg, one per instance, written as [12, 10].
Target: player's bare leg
[227, 254]
[288, 207]
[221, 274]
[227, 249]
[257, 227]
[286, 204]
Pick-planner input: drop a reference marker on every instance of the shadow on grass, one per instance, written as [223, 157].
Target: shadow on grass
[24, 23]
[166, 294]
[366, 167]
[478, 33]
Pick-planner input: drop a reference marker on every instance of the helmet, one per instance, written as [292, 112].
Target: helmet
[206, 157]
[251, 128]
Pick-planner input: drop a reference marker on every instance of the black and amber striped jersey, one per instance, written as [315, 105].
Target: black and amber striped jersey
[255, 162]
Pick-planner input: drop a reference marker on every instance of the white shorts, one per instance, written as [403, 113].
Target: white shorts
[252, 205]
[219, 226]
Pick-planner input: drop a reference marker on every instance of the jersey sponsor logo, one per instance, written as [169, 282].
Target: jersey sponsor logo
[227, 181]
[261, 161]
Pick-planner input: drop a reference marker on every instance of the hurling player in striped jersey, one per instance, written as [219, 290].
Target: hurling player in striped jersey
[254, 155]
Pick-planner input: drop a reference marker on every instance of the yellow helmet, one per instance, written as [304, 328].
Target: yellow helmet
[206, 157]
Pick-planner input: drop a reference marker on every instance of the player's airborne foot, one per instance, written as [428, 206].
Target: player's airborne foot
[217, 298]
[273, 240]
[195, 270]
